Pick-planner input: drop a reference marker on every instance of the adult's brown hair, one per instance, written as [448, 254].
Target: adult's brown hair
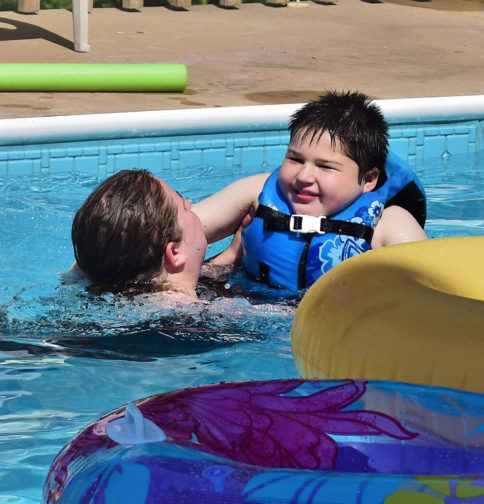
[121, 231]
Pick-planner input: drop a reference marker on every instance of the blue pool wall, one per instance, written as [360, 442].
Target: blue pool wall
[228, 140]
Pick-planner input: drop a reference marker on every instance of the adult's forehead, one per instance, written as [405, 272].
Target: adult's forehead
[170, 192]
[165, 186]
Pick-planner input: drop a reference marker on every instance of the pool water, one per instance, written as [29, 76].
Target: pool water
[67, 358]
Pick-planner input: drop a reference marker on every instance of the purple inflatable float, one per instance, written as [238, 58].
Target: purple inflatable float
[281, 441]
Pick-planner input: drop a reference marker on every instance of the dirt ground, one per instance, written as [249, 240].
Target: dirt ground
[259, 54]
[449, 5]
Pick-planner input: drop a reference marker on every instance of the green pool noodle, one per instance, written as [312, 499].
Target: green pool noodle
[128, 77]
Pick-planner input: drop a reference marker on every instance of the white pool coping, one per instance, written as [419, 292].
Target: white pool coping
[28, 131]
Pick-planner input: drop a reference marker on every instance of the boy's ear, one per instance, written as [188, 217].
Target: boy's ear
[370, 180]
[174, 259]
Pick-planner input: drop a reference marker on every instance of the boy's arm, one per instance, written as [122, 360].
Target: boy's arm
[233, 253]
[222, 213]
[395, 226]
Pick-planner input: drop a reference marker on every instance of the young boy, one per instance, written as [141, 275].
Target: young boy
[336, 195]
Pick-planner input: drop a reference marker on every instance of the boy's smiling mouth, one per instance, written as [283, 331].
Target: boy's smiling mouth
[304, 196]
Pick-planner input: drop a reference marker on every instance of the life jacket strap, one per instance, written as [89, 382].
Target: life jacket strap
[299, 223]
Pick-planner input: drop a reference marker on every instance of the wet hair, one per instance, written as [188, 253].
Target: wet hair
[120, 233]
[354, 120]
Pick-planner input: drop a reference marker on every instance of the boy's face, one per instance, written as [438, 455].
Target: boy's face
[319, 178]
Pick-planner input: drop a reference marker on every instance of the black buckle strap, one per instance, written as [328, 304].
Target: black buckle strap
[299, 223]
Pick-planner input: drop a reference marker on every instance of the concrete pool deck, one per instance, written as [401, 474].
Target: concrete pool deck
[256, 54]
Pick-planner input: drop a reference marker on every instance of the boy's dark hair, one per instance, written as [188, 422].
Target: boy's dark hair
[351, 118]
[121, 231]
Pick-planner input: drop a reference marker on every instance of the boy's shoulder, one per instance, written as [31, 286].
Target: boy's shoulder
[396, 225]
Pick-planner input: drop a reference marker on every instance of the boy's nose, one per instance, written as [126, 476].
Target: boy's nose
[306, 173]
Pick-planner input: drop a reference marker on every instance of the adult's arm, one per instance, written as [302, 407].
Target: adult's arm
[222, 213]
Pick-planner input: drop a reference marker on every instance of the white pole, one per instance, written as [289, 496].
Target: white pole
[80, 21]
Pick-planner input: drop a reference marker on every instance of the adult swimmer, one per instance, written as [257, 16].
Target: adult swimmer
[134, 232]
[336, 169]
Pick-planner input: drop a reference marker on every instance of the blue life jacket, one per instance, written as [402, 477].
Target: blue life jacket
[293, 251]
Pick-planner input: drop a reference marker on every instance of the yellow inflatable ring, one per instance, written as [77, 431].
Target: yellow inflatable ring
[411, 312]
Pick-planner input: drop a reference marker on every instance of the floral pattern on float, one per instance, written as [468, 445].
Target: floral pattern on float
[353, 441]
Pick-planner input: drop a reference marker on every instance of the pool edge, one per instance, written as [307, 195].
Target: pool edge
[26, 131]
